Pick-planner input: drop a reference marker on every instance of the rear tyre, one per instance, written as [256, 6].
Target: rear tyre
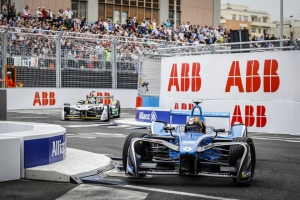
[67, 111]
[119, 111]
[108, 113]
[127, 145]
[236, 152]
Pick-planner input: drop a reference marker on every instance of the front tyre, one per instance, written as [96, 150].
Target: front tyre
[127, 145]
[236, 152]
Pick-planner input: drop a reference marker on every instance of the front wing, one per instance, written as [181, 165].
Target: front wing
[135, 166]
[85, 114]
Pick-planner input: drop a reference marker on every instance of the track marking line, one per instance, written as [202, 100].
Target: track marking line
[276, 139]
[176, 192]
[78, 126]
[29, 117]
[96, 135]
[93, 192]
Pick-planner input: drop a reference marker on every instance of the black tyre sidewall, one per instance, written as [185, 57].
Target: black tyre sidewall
[127, 145]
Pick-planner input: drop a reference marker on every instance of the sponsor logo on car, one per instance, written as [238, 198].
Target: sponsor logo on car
[246, 174]
[187, 149]
[188, 142]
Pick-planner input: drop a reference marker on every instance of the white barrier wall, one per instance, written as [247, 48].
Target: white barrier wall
[10, 165]
[24, 145]
[258, 89]
[39, 98]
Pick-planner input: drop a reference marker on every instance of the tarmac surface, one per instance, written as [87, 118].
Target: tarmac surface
[277, 174]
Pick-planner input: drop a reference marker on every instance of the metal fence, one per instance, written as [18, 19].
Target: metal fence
[56, 59]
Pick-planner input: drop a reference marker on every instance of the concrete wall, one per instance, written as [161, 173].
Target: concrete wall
[55, 5]
[19, 5]
[235, 25]
[217, 12]
[92, 10]
[198, 12]
[163, 12]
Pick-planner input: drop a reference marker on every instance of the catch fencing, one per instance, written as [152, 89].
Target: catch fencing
[55, 59]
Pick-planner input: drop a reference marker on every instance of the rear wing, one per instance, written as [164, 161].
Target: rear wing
[101, 97]
[215, 119]
[205, 114]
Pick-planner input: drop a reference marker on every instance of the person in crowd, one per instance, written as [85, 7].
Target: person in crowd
[5, 11]
[39, 14]
[100, 24]
[60, 15]
[44, 13]
[26, 12]
[73, 56]
[50, 13]
[68, 13]
[9, 81]
[13, 11]
[133, 21]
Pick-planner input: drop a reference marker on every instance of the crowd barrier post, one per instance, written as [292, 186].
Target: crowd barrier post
[4, 56]
[114, 63]
[3, 105]
[58, 59]
[141, 58]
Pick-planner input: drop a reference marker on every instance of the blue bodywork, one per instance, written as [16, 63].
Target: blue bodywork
[180, 149]
[189, 141]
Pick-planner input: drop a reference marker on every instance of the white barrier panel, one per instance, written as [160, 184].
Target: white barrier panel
[255, 76]
[39, 98]
[9, 158]
[258, 116]
[258, 89]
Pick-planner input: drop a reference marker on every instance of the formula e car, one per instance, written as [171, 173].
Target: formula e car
[190, 149]
[92, 108]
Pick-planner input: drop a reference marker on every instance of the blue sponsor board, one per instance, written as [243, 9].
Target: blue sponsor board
[150, 115]
[44, 151]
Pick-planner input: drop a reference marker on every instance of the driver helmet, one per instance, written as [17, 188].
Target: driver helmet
[92, 100]
[194, 124]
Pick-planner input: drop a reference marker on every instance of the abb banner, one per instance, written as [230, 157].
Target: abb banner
[258, 89]
[41, 98]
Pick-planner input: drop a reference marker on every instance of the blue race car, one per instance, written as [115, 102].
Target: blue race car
[191, 149]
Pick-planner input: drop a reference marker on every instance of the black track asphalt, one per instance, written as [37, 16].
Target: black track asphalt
[277, 174]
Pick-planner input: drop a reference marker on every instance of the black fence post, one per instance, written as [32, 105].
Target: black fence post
[3, 105]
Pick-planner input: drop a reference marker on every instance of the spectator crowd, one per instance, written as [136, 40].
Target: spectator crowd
[85, 44]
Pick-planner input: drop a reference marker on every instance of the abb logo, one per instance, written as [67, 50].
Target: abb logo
[104, 100]
[184, 106]
[271, 80]
[187, 81]
[250, 118]
[46, 98]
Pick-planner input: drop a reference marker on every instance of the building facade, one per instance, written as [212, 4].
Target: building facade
[291, 26]
[237, 17]
[198, 12]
